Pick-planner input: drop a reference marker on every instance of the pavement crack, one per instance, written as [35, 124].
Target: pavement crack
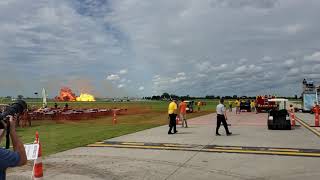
[189, 159]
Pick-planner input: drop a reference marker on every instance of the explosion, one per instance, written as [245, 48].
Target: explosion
[85, 97]
[66, 94]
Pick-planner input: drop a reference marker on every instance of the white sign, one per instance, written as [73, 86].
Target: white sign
[32, 151]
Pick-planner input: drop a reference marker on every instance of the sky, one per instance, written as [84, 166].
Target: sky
[116, 48]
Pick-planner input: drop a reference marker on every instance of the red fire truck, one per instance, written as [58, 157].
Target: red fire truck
[263, 105]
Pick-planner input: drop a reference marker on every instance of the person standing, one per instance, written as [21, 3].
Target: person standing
[183, 113]
[222, 118]
[237, 103]
[199, 105]
[253, 106]
[230, 106]
[9, 158]
[172, 111]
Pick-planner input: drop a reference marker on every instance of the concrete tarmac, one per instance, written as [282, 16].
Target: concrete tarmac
[249, 129]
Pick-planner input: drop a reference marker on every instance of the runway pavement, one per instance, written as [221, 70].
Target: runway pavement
[252, 152]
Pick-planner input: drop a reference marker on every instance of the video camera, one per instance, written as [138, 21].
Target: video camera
[16, 108]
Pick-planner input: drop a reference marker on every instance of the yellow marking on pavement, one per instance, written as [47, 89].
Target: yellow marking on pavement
[176, 145]
[132, 143]
[242, 151]
[284, 150]
[221, 147]
[132, 146]
[264, 152]
[306, 125]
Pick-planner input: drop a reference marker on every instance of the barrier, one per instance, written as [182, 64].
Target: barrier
[316, 118]
[37, 167]
[114, 120]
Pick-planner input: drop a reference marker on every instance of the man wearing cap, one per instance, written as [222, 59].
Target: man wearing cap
[172, 111]
[221, 118]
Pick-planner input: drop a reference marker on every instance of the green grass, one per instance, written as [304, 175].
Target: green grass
[57, 136]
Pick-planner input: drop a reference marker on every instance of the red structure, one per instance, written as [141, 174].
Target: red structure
[263, 104]
[316, 118]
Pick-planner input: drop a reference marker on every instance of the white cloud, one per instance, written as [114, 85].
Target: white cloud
[113, 77]
[121, 85]
[123, 71]
[241, 69]
[289, 62]
[221, 67]
[181, 74]
[141, 88]
[203, 66]
[315, 57]
[178, 79]
[294, 71]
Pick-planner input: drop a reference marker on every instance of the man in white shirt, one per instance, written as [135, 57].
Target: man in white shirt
[222, 117]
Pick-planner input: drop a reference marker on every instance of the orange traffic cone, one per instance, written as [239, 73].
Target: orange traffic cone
[114, 120]
[37, 167]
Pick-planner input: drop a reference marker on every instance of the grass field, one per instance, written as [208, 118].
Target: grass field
[59, 136]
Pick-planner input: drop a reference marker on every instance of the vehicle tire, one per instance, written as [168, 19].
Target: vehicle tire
[270, 125]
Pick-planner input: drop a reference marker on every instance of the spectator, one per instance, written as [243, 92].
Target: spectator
[230, 106]
[253, 106]
[183, 113]
[199, 105]
[222, 118]
[172, 111]
[237, 102]
[9, 158]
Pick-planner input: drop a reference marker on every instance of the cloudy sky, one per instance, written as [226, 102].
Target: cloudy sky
[145, 47]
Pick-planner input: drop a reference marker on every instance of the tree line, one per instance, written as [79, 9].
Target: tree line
[167, 96]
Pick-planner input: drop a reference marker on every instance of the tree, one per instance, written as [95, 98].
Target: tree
[210, 97]
[165, 96]
[20, 96]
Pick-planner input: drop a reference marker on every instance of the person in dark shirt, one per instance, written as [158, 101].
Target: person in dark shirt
[11, 158]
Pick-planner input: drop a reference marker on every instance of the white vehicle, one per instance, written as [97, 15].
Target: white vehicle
[189, 106]
[278, 118]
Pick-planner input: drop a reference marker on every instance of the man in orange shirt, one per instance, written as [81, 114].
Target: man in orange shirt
[183, 112]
